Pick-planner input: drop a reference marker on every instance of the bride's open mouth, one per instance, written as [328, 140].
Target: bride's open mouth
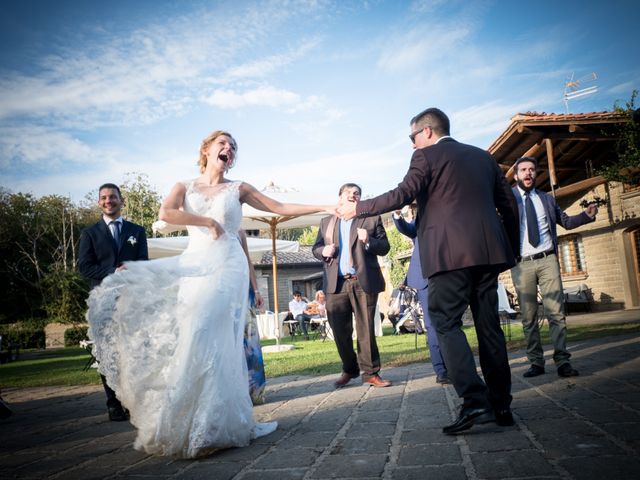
[223, 157]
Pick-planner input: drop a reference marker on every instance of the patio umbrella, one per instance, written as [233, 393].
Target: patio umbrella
[254, 219]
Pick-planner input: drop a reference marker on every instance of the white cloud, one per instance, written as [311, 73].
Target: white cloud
[418, 49]
[158, 70]
[266, 66]
[622, 88]
[265, 96]
[41, 146]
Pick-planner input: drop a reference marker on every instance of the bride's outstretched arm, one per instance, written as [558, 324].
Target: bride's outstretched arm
[251, 196]
[171, 212]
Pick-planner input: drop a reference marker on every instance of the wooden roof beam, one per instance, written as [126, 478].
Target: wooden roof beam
[551, 164]
[580, 186]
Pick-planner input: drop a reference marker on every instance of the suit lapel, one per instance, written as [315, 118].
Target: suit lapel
[516, 194]
[336, 232]
[353, 233]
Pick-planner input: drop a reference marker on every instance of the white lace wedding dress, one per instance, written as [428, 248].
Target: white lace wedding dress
[168, 336]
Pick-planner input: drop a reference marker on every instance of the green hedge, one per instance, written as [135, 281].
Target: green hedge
[73, 336]
[23, 335]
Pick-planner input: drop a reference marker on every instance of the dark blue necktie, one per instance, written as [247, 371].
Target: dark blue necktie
[532, 221]
[115, 232]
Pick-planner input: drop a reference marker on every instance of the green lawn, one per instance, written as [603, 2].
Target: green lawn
[64, 366]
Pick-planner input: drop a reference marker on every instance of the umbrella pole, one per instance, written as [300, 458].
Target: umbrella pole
[275, 280]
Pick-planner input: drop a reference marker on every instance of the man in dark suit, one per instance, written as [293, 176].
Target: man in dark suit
[538, 265]
[464, 245]
[352, 281]
[103, 249]
[417, 281]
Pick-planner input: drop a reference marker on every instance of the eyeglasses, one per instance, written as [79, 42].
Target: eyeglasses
[413, 135]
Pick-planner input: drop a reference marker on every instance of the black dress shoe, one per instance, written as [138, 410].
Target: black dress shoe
[534, 371]
[567, 370]
[5, 411]
[467, 418]
[344, 379]
[443, 380]
[504, 418]
[117, 414]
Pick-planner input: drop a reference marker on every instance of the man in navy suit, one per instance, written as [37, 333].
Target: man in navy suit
[103, 249]
[468, 232]
[538, 265]
[417, 281]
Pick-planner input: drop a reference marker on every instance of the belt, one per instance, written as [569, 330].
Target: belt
[537, 256]
[348, 276]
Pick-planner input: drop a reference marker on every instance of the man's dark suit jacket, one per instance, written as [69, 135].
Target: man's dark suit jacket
[366, 262]
[98, 256]
[555, 215]
[458, 188]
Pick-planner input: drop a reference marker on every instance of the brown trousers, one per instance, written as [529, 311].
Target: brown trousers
[352, 301]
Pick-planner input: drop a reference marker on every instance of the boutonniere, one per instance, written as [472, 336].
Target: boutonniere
[132, 240]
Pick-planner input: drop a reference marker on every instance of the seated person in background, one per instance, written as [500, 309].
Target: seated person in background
[297, 307]
[318, 308]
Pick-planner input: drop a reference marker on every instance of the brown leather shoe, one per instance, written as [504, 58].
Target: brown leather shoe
[376, 381]
[344, 379]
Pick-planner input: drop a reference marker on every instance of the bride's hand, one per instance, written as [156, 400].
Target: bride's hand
[216, 230]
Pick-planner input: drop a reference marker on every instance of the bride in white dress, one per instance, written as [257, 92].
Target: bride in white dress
[168, 333]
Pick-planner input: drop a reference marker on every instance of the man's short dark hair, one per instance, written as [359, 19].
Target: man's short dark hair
[296, 293]
[350, 185]
[525, 159]
[434, 118]
[110, 185]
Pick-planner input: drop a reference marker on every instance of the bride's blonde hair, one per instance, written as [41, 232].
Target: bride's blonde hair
[202, 162]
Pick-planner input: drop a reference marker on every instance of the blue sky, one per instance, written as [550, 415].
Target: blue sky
[316, 92]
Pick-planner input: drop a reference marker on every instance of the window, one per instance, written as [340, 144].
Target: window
[571, 253]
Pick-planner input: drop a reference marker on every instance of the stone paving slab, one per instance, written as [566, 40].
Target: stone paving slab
[585, 427]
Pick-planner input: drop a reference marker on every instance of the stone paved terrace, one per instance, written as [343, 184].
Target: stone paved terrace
[586, 427]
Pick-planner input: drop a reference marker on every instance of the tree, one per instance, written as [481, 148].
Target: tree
[292, 234]
[399, 244]
[142, 201]
[626, 168]
[308, 236]
[37, 237]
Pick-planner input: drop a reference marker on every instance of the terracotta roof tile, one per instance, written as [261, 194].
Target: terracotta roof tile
[302, 256]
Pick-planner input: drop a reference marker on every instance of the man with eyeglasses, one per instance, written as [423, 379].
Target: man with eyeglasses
[352, 281]
[538, 266]
[464, 245]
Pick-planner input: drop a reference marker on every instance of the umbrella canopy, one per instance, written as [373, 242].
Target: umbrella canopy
[169, 246]
[254, 219]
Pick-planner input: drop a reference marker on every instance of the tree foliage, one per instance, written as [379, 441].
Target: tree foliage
[397, 267]
[626, 168]
[38, 238]
[142, 201]
[308, 236]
